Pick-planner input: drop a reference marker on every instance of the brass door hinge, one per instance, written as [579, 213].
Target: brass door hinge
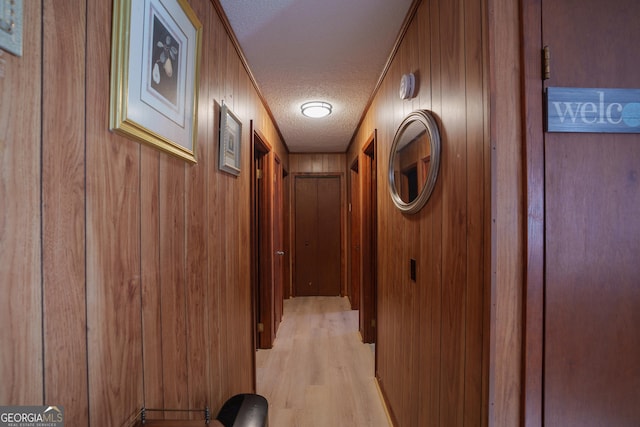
[373, 323]
[260, 327]
[258, 173]
[546, 63]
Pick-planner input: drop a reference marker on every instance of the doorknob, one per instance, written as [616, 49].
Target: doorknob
[279, 252]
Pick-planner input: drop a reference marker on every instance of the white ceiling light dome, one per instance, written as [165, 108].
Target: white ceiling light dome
[316, 109]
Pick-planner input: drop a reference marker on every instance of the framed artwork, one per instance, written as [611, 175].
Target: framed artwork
[11, 26]
[155, 70]
[230, 141]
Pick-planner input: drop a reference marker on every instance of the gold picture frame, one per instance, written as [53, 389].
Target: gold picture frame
[155, 73]
[230, 141]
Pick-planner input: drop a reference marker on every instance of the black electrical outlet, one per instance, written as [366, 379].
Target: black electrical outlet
[413, 269]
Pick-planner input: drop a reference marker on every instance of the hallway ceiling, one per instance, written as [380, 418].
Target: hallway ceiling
[316, 50]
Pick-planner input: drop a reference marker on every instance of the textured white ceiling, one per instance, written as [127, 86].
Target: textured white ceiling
[316, 50]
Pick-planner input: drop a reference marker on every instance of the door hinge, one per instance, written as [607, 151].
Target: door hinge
[260, 327]
[373, 323]
[258, 173]
[546, 63]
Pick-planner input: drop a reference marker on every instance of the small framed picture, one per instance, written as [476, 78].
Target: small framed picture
[230, 141]
[11, 16]
[155, 70]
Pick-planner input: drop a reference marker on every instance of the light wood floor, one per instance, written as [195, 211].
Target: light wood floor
[319, 373]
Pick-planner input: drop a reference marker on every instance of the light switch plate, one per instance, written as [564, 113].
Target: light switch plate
[11, 26]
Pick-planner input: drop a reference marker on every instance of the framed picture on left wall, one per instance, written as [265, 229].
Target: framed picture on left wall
[230, 141]
[155, 70]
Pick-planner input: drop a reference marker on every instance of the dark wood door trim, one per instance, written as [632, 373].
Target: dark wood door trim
[253, 243]
[534, 235]
[262, 241]
[368, 237]
[286, 233]
[354, 283]
[278, 249]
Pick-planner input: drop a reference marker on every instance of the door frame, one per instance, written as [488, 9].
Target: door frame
[279, 247]
[286, 218]
[262, 256]
[533, 134]
[369, 240]
[355, 266]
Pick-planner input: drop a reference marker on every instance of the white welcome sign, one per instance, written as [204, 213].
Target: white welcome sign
[593, 110]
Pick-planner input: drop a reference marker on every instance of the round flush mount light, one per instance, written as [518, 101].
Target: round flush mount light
[316, 109]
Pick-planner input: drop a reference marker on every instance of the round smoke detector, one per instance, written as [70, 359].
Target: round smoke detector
[407, 85]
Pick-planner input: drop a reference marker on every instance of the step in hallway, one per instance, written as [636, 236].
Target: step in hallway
[319, 373]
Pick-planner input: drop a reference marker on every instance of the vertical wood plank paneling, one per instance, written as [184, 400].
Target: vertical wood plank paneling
[476, 148]
[150, 278]
[243, 352]
[198, 364]
[389, 291]
[317, 163]
[453, 174]
[21, 367]
[222, 258]
[415, 226]
[216, 42]
[403, 247]
[143, 263]
[487, 235]
[506, 214]
[172, 282]
[431, 314]
[113, 246]
[425, 43]
[436, 317]
[304, 163]
[432, 333]
[63, 209]
[229, 259]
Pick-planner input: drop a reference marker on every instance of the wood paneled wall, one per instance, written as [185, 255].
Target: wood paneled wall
[432, 343]
[508, 126]
[123, 270]
[317, 163]
[21, 333]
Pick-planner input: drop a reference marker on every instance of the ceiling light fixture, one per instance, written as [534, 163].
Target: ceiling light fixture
[316, 109]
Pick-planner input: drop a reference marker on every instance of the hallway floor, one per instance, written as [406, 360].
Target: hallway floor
[319, 373]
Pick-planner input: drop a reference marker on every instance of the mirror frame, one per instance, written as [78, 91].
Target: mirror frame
[427, 120]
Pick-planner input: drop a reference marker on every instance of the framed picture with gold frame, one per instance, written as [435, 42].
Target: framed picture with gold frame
[155, 70]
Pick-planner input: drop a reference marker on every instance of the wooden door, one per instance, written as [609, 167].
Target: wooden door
[278, 243]
[317, 236]
[591, 349]
[286, 188]
[355, 260]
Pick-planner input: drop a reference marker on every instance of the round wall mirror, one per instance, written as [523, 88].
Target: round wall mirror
[414, 161]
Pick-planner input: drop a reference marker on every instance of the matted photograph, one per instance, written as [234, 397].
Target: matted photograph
[155, 70]
[230, 141]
